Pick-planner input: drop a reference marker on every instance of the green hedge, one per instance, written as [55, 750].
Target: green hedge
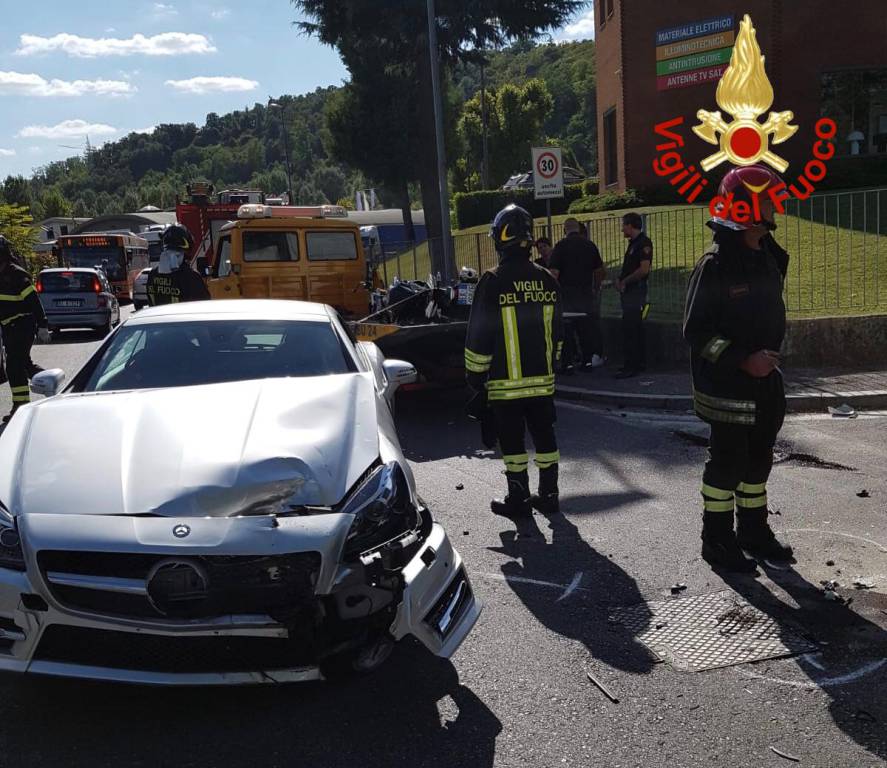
[609, 201]
[474, 208]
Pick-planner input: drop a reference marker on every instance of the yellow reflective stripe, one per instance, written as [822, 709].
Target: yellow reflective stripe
[725, 417]
[8, 320]
[723, 403]
[477, 357]
[512, 344]
[530, 381]
[17, 296]
[547, 317]
[470, 365]
[516, 462]
[750, 489]
[546, 460]
[645, 311]
[751, 502]
[21, 399]
[718, 506]
[715, 348]
[19, 390]
[716, 493]
[517, 394]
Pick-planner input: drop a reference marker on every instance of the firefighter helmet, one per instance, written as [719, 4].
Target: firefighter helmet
[512, 226]
[177, 238]
[739, 184]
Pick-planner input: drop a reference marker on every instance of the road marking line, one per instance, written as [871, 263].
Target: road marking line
[836, 533]
[565, 588]
[574, 585]
[825, 683]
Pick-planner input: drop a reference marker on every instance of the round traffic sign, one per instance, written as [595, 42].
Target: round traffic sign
[547, 165]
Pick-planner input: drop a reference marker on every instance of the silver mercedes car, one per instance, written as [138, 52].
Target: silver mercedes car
[219, 497]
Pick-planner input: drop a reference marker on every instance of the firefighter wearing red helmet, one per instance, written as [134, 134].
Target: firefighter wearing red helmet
[173, 281]
[734, 322]
[513, 341]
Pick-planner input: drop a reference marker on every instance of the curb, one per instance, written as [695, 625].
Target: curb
[798, 402]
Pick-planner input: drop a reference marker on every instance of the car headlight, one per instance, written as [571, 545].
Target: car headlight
[382, 509]
[11, 555]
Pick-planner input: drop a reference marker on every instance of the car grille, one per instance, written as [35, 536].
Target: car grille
[154, 653]
[281, 586]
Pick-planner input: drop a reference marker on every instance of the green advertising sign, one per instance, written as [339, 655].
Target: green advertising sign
[696, 61]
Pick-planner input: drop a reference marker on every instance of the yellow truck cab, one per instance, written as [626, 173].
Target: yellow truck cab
[291, 252]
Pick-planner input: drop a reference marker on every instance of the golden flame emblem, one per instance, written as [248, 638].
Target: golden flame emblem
[745, 93]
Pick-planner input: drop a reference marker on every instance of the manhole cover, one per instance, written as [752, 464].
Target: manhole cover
[709, 631]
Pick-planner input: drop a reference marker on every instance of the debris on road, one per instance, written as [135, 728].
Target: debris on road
[603, 688]
[465, 533]
[460, 487]
[864, 494]
[830, 586]
[864, 584]
[676, 589]
[785, 755]
[830, 563]
[842, 412]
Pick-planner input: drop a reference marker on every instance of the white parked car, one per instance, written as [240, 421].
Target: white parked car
[219, 496]
[140, 289]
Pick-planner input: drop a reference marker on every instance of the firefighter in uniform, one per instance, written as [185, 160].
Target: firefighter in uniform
[734, 322]
[173, 281]
[514, 339]
[21, 319]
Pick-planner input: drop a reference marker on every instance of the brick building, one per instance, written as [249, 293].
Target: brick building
[658, 60]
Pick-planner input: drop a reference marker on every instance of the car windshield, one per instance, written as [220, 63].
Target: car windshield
[67, 282]
[182, 354]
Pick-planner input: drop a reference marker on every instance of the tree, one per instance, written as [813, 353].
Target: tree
[17, 226]
[16, 191]
[515, 122]
[54, 204]
[396, 33]
[130, 202]
[80, 209]
[330, 181]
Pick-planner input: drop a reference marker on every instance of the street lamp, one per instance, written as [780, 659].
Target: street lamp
[447, 249]
[272, 104]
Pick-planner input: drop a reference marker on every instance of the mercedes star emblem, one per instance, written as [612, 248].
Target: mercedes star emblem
[181, 531]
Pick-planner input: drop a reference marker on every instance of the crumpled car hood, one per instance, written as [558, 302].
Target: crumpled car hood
[217, 450]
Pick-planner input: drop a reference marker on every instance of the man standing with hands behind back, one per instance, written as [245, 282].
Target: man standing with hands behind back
[576, 263]
[632, 285]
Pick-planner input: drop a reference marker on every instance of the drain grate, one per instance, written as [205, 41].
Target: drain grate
[709, 631]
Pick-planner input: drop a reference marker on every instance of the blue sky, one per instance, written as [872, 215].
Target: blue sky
[103, 69]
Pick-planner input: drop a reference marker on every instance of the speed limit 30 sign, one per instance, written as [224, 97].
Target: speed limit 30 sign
[548, 173]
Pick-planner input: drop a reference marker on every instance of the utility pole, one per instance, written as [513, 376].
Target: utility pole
[272, 104]
[484, 167]
[447, 245]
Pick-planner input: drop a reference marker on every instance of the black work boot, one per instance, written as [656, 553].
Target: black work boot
[517, 503]
[546, 501]
[719, 546]
[754, 535]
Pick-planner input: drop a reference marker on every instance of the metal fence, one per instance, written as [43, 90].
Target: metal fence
[837, 244]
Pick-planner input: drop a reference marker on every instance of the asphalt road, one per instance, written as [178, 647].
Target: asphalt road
[517, 692]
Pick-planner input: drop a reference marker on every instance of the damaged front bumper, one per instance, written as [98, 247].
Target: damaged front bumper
[92, 605]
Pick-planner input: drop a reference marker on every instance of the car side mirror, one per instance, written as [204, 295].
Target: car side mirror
[398, 373]
[48, 383]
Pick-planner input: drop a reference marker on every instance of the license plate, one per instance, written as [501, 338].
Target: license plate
[465, 294]
[69, 303]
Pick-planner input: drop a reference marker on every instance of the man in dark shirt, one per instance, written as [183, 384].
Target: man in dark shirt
[577, 264]
[632, 285]
[543, 246]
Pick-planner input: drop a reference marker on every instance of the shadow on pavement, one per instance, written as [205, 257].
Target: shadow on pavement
[582, 615]
[859, 710]
[413, 712]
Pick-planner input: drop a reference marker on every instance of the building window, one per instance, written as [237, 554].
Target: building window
[611, 173]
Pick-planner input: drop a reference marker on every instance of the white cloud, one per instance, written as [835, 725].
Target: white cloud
[164, 10]
[580, 29]
[67, 129]
[164, 44]
[201, 85]
[7, 152]
[149, 129]
[35, 150]
[220, 13]
[30, 84]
